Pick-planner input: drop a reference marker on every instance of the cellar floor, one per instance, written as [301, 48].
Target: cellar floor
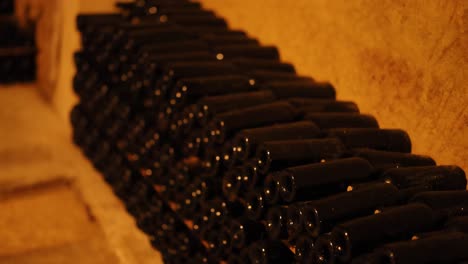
[54, 207]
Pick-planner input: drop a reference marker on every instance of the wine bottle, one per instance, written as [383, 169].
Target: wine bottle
[250, 64]
[447, 248]
[189, 90]
[246, 51]
[278, 155]
[307, 89]
[260, 78]
[459, 223]
[365, 233]
[219, 242]
[310, 105]
[241, 258]
[270, 251]
[384, 160]
[7, 7]
[304, 246]
[226, 124]
[222, 210]
[210, 106]
[447, 204]
[255, 205]
[321, 215]
[319, 179]
[380, 139]
[245, 231]
[442, 199]
[271, 188]
[231, 182]
[276, 222]
[342, 120]
[429, 178]
[246, 141]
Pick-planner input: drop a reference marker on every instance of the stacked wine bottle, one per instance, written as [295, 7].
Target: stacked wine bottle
[223, 154]
[17, 47]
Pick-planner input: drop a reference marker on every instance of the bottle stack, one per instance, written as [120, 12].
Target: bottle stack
[17, 47]
[223, 154]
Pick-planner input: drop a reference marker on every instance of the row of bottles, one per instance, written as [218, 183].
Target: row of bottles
[17, 47]
[7, 7]
[222, 153]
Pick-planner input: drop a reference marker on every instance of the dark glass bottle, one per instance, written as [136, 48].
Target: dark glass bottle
[241, 258]
[363, 234]
[255, 205]
[307, 89]
[446, 204]
[446, 248]
[271, 252]
[219, 242]
[225, 125]
[278, 155]
[383, 160]
[442, 199]
[246, 51]
[320, 216]
[271, 188]
[221, 211]
[175, 71]
[263, 77]
[249, 64]
[304, 246]
[189, 90]
[316, 180]
[276, 222]
[459, 223]
[428, 178]
[246, 141]
[7, 7]
[231, 181]
[245, 231]
[310, 105]
[210, 106]
[342, 120]
[380, 139]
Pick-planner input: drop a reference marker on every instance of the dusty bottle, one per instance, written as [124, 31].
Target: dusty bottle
[342, 120]
[212, 105]
[255, 205]
[446, 248]
[320, 216]
[276, 222]
[310, 105]
[278, 155]
[225, 125]
[304, 246]
[307, 89]
[429, 178]
[245, 231]
[319, 179]
[380, 139]
[363, 234]
[246, 141]
[270, 251]
[191, 89]
[384, 160]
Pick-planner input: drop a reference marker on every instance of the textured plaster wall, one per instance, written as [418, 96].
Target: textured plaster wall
[406, 62]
